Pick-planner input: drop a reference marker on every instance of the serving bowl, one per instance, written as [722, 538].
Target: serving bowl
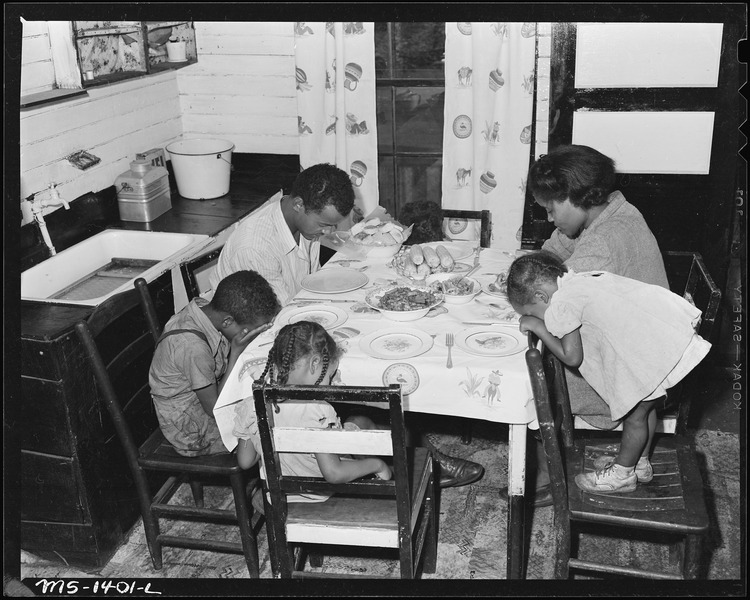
[382, 251]
[373, 300]
[450, 296]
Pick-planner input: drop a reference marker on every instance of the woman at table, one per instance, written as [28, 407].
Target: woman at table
[596, 230]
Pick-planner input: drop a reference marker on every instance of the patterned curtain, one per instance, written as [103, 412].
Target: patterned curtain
[335, 70]
[489, 86]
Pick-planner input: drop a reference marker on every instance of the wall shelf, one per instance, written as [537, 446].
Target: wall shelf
[111, 51]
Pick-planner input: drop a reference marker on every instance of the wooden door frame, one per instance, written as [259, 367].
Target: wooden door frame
[727, 168]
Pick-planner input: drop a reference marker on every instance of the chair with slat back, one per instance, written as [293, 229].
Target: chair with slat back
[668, 509]
[400, 513]
[483, 216]
[689, 278]
[156, 453]
[189, 271]
[485, 239]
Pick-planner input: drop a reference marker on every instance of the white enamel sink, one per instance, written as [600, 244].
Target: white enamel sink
[106, 264]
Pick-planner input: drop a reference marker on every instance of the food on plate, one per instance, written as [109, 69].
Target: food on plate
[431, 257]
[420, 260]
[416, 254]
[446, 260]
[501, 284]
[455, 286]
[376, 232]
[405, 298]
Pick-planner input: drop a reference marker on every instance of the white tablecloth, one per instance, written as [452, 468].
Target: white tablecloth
[482, 387]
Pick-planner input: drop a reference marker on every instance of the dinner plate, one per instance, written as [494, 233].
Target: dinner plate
[491, 340]
[334, 281]
[394, 344]
[488, 287]
[327, 317]
[458, 250]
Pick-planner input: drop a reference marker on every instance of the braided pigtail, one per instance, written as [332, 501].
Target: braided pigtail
[326, 359]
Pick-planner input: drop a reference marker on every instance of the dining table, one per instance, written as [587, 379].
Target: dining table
[486, 377]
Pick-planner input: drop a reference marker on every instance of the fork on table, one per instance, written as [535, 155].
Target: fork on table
[449, 343]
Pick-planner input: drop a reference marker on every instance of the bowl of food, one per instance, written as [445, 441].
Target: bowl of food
[403, 302]
[380, 239]
[456, 289]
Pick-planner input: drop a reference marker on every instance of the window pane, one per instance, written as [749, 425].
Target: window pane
[385, 181]
[382, 51]
[419, 119]
[384, 119]
[419, 50]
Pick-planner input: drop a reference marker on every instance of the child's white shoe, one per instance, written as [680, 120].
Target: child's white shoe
[643, 469]
[607, 481]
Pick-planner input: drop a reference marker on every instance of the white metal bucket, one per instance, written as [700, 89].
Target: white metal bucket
[202, 167]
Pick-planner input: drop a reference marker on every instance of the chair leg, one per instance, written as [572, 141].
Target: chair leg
[691, 556]
[150, 523]
[429, 550]
[197, 488]
[244, 515]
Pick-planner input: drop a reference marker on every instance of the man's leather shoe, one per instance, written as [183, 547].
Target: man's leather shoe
[542, 496]
[455, 472]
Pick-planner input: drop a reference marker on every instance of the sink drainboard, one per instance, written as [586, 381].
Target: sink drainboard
[105, 279]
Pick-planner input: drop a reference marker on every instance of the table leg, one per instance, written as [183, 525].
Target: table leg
[516, 505]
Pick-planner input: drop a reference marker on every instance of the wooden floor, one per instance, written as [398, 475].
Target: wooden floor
[471, 537]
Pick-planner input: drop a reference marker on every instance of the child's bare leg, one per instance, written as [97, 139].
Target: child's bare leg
[651, 429]
[637, 432]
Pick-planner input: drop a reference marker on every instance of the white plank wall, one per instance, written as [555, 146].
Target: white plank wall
[113, 122]
[243, 87]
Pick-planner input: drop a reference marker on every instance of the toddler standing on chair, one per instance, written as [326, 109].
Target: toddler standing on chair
[630, 340]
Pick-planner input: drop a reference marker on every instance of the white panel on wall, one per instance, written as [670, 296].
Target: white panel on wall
[649, 142]
[647, 55]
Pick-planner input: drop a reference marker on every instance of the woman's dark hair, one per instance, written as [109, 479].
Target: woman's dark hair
[528, 271]
[427, 219]
[324, 184]
[579, 173]
[295, 341]
[246, 296]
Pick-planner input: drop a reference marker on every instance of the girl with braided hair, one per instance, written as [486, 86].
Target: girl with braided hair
[304, 353]
[630, 340]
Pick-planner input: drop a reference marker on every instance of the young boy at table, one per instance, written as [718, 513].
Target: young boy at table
[304, 353]
[630, 340]
[196, 353]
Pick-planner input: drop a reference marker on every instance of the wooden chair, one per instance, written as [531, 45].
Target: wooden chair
[400, 513]
[689, 278]
[485, 239]
[189, 271]
[670, 508]
[123, 380]
[483, 216]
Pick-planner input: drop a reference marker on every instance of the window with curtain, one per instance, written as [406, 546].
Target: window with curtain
[409, 64]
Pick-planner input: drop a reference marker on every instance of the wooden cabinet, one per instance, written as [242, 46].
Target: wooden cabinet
[110, 51]
[78, 499]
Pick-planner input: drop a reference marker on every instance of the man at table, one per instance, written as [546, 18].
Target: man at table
[280, 241]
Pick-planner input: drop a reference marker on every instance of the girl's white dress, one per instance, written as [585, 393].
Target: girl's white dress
[638, 339]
